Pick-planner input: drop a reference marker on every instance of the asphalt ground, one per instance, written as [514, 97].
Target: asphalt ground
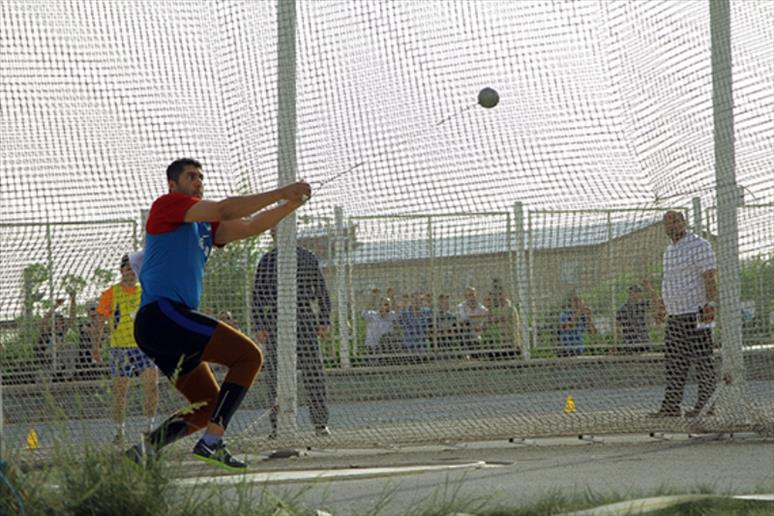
[503, 474]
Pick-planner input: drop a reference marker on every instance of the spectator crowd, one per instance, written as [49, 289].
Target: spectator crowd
[411, 324]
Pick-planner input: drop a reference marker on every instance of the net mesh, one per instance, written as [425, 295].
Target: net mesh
[478, 224]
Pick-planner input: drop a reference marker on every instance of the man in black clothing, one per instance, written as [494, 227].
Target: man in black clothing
[632, 320]
[313, 321]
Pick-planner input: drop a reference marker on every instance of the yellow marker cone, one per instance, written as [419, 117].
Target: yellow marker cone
[569, 405]
[32, 440]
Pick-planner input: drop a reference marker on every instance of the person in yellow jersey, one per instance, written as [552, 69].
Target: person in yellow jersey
[118, 307]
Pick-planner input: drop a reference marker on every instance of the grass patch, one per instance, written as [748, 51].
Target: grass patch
[98, 480]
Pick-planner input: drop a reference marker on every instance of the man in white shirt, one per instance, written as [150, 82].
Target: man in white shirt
[472, 313]
[688, 293]
[379, 323]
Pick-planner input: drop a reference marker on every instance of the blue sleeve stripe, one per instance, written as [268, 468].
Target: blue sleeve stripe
[190, 325]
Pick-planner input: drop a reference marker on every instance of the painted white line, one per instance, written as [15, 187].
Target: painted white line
[324, 474]
[638, 506]
[645, 505]
[757, 497]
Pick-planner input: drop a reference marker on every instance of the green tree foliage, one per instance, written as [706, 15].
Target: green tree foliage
[757, 287]
[33, 279]
[102, 278]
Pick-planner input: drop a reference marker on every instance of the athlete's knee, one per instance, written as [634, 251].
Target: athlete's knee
[244, 371]
[255, 357]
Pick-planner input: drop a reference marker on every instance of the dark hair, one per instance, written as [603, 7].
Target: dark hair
[124, 261]
[176, 168]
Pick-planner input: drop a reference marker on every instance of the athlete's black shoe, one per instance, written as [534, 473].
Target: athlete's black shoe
[218, 456]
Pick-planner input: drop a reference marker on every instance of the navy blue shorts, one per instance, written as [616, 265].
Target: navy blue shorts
[173, 335]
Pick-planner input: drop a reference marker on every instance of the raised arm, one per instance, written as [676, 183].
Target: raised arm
[235, 208]
[231, 230]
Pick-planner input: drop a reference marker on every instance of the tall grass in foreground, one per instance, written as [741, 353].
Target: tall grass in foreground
[98, 480]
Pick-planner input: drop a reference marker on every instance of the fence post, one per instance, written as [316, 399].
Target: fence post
[50, 262]
[431, 256]
[522, 279]
[611, 275]
[341, 288]
[350, 243]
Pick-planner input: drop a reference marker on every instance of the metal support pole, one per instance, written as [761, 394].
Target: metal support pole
[610, 274]
[50, 262]
[732, 371]
[431, 255]
[341, 288]
[350, 245]
[286, 232]
[522, 280]
[531, 281]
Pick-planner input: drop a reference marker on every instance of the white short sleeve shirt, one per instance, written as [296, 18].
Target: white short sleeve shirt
[685, 262]
[377, 326]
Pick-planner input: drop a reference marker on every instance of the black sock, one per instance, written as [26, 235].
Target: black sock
[229, 399]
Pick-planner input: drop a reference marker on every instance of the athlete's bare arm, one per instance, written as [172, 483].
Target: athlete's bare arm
[231, 230]
[234, 208]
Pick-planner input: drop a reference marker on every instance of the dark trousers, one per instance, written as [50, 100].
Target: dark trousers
[685, 345]
[309, 362]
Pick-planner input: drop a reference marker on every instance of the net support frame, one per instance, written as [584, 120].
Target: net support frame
[287, 396]
[731, 382]
[341, 287]
[522, 280]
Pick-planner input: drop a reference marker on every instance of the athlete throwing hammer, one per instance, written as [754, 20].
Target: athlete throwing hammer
[180, 232]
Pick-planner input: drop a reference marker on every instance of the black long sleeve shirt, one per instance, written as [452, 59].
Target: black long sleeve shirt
[310, 289]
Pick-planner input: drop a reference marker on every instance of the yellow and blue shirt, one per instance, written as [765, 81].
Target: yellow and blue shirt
[119, 306]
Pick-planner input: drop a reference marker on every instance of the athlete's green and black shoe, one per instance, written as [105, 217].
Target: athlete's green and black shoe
[219, 456]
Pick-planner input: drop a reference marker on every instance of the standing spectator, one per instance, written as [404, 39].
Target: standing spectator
[414, 321]
[380, 326]
[632, 322]
[472, 316]
[53, 328]
[575, 322]
[89, 337]
[117, 309]
[688, 291]
[313, 322]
